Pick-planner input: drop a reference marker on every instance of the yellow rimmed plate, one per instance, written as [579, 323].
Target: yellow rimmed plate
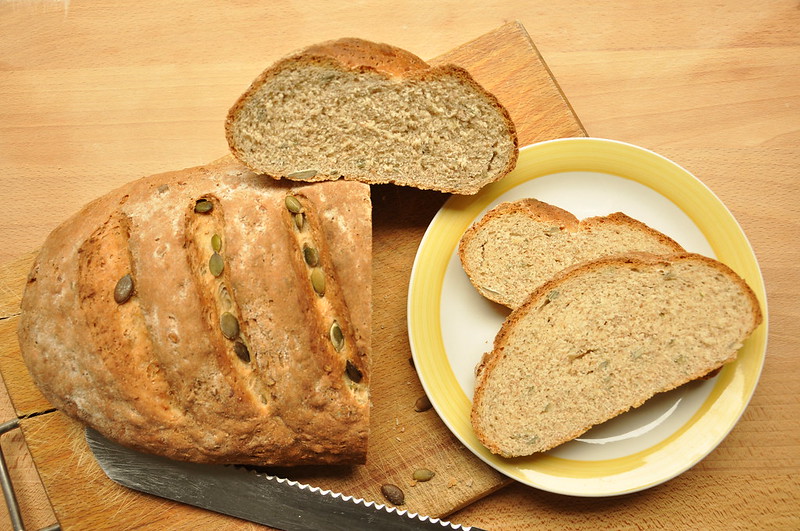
[451, 326]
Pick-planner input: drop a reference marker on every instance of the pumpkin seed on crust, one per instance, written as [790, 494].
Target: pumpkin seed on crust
[124, 289]
[311, 255]
[337, 336]
[353, 372]
[229, 325]
[294, 206]
[318, 281]
[299, 220]
[216, 264]
[203, 206]
[241, 350]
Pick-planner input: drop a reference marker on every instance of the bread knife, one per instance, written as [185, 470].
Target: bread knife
[261, 498]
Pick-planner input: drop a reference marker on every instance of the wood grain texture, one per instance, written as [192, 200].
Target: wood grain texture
[97, 94]
[538, 107]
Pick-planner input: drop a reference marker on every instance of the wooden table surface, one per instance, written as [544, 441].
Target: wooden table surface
[95, 94]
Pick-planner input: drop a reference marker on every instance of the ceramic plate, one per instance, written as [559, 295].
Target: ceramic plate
[451, 325]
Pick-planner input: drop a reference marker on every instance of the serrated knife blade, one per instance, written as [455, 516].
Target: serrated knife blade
[260, 498]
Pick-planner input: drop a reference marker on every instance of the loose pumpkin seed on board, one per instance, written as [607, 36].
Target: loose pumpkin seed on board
[393, 494]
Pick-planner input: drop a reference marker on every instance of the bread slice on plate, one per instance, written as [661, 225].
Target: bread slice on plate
[210, 315]
[602, 338]
[372, 112]
[521, 244]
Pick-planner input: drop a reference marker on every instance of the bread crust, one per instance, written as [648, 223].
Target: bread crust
[156, 373]
[359, 56]
[536, 299]
[541, 212]
[359, 53]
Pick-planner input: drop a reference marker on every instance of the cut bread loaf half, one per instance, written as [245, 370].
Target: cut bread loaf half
[210, 315]
[371, 112]
[518, 245]
[602, 338]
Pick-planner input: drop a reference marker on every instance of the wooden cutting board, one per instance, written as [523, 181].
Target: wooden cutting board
[506, 62]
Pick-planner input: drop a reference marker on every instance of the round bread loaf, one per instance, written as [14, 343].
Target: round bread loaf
[210, 315]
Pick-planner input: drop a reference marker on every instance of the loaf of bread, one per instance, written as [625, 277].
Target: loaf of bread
[210, 315]
[371, 112]
[603, 337]
[521, 244]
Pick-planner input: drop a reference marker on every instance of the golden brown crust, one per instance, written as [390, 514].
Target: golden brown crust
[618, 218]
[156, 372]
[632, 260]
[355, 56]
[358, 53]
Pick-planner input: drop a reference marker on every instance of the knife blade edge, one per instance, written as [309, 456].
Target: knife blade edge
[367, 503]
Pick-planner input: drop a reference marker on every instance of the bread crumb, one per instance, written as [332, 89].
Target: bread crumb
[452, 483]
[478, 141]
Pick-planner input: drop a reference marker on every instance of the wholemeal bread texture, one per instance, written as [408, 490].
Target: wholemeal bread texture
[210, 315]
[518, 245]
[602, 338]
[372, 112]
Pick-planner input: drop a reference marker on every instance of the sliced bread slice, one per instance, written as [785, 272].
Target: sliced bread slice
[518, 245]
[602, 338]
[374, 113]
